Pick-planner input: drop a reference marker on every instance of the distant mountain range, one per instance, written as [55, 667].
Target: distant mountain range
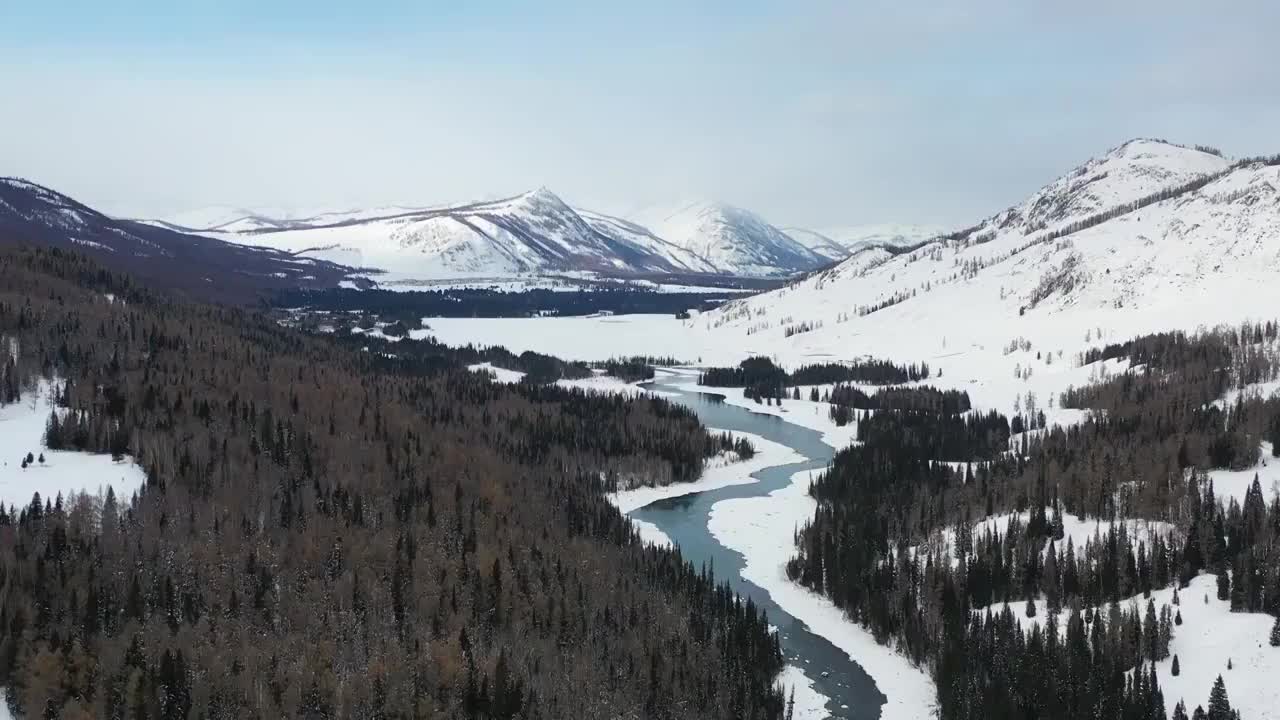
[529, 234]
[196, 265]
[840, 243]
[231, 252]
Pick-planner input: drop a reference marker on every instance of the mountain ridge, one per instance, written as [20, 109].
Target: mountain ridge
[1144, 229]
[197, 265]
[535, 232]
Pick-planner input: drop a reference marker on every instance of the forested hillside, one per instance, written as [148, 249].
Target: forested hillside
[1144, 455]
[328, 532]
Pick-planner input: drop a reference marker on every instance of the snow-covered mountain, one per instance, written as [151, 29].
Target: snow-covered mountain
[818, 242]
[734, 239]
[530, 234]
[199, 266]
[839, 243]
[892, 235]
[628, 232]
[535, 233]
[1146, 237]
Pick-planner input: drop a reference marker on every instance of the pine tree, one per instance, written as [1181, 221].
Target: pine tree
[1180, 711]
[1219, 705]
[1224, 585]
[1275, 633]
[1177, 669]
[1177, 619]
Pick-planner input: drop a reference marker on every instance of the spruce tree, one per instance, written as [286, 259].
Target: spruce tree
[1177, 669]
[1275, 633]
[1180, 711]
[1219, 705]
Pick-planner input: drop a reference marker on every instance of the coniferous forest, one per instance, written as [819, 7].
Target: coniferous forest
[328, 530]
[950, 607]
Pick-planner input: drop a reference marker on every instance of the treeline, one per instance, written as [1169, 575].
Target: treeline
[918, 398]
[762, 378]
[866, 372]
[633, 369]
[758, 375]
[871, 545]
[428, 356]
[489, 303]
[329, 532]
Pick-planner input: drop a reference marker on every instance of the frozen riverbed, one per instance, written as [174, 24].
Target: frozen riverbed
[829, 657]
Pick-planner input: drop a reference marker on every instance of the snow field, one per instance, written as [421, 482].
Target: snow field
[22, 427]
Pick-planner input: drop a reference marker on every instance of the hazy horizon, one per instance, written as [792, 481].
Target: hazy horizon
[811, 114]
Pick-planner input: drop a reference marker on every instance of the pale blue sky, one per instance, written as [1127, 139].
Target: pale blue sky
[812, 113]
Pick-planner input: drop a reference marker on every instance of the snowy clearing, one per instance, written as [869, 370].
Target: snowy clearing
[501, 375]
[1235, 483]
[22, 427]
[1209, 636]
[1076, 530]
[603, 383]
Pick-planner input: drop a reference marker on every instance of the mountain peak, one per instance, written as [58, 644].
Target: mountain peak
[1122, 175]
[542, 197]
[731, 237]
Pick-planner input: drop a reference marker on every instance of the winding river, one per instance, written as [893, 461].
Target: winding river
[852, 693]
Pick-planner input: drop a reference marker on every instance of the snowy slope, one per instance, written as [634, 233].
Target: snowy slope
[1204, 257]
[818, 242]
[734, 239]
[625, 231]
[1209, 637]
[1128, 172]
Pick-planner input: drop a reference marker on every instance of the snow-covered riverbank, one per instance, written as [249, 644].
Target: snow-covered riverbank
[760, 529]
[807, 414]
[719, 472]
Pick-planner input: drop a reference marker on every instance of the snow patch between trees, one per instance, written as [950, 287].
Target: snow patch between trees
[22, 426]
